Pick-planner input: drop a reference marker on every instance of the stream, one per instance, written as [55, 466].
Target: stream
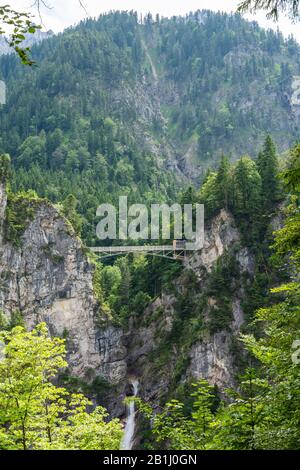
[128, 439]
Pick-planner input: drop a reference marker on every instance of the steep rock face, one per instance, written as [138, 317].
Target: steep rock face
[144, 338]
[3, 203]
[210, 355]
[49, 279]
[219, 236]
[213, 360]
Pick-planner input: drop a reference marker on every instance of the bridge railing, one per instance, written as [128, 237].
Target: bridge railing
[133, 249]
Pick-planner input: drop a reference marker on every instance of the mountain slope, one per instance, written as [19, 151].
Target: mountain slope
[119, 107]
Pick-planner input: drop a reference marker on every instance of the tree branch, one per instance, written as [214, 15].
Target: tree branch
[272, 7]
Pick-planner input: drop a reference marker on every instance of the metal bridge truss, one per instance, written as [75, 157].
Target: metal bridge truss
[163, 251]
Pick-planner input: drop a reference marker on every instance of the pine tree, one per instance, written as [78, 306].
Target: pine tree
[69, 210]
[237, 426]
[224, 183]
[172, 427]
[267, 164]
[247, 198]
[5, 168]
[189, 196]
[208, 195]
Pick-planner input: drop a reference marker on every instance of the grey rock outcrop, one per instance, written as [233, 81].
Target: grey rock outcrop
[47, 276]
[219, 236]
[49, 279]
[211, 355]
[213, 360]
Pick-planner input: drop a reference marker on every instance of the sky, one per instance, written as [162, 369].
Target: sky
[64, 13]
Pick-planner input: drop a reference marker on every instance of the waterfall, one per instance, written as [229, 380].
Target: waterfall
[127, 441]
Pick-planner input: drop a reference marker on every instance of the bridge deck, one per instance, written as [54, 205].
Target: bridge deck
[136, 249]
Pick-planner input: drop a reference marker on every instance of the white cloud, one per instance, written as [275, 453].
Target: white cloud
[64, 13]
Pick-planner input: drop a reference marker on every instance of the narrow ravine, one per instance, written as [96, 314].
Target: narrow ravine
[153, 68]
[128, 439]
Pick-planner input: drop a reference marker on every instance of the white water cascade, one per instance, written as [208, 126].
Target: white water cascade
[127, 442]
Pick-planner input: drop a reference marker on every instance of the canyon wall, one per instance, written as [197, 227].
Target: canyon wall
[47, 276]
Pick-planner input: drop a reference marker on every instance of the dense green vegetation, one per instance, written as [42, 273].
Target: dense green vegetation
[20, 210]
[249, 189]
[35, 413]
[87, 121]
[264, 413]
[95, 120]
[203, 309]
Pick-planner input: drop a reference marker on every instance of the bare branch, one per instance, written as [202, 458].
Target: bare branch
[272, 7]
[38, 4]
[83, 7]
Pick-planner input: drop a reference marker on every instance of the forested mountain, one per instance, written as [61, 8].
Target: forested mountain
[202, 109]
[114, 101]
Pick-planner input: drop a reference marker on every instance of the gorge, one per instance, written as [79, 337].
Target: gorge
[47, 276]
[201, 109]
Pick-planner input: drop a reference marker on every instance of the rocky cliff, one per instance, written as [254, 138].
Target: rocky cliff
[45, 274]
[47, 277]
[165, 349]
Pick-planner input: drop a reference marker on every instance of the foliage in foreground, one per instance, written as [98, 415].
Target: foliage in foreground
[21, 25]
[36, 414]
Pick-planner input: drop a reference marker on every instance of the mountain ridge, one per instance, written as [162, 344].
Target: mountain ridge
[124, 107]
